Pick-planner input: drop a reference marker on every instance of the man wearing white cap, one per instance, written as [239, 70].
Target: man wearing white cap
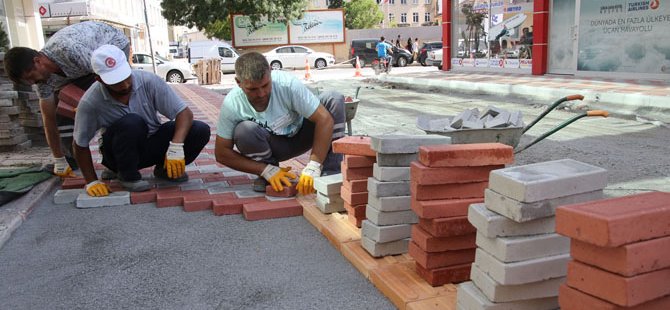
[125, 103]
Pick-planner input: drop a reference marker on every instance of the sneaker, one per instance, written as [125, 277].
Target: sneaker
[260, 184]
[161, 173]
[108, 174]
[136, 186]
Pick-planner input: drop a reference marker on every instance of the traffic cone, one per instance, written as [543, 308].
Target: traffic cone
[358, 69]
[308, 75]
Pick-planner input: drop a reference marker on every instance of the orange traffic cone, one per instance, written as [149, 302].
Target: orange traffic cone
[358, 69]
[308, 75]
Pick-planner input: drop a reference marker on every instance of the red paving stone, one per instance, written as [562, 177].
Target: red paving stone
[448, 191]
[356, 186]
[354, 174]
[440, 259]
[430, 209]
[627, 260]
[354, 145]
[447, 227]
[572, 299]
[431, 244]
[458, 155]
[444, 275]
[205, 201]
[354, 161]
[353, 199]
[425, 175]
[233, 206]
[271, 209]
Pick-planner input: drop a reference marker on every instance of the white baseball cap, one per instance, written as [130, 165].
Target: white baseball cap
[110, 63]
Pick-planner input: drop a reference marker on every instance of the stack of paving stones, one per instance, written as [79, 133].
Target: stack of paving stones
[357, 165]
[12, 134]
[520, 261]
[621, 253]
[445, 181]
[389, 217]
[328, 198]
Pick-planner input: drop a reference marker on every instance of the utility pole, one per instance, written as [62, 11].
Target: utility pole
[151, 44]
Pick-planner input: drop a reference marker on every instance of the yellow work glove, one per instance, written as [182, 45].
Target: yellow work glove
[97, 189]
[278, 177]
[62, 168]
[306, 183]
[175, 164]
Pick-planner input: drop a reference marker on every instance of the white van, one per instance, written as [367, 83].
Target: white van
[200, 50]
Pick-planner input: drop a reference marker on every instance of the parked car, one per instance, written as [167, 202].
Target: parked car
[172, 71]
[201, 50]
[366, 51]
[435, 58]
[427, 47]
[293, 56]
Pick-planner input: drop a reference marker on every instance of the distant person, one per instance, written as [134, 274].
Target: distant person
[526, 36]
[384, 51]
[415, 48]
[409, 46]
[397, 42]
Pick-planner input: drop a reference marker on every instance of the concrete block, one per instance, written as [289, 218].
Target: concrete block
[440, 259]
[498, 121]
[459, 155]
[527, 211]
[492, 224]
[355, 161]
[390, 218]
[472, 124]
[388, 189]
[390, 204]
[444, 275]
[572, 299]
[353, 145]
[431, 244]
[469, 297]
[65, 196]
[617, 221]
[383, 234]
[548, 180]
[384, 249]
[515, 119]
[497, 292]
[329, 205]
[430, 209]
[390, 174]
[627, 260]
[522, 272]
[84, 201]
[425, 175]
[492, 111]
[448, 226]
[514, 249]
[459, 118]
[328, 185]
[405, 144]
[396, 160]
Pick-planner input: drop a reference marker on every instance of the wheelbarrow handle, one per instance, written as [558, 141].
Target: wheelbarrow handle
[574, 97]
[551, 108]
[602, 113]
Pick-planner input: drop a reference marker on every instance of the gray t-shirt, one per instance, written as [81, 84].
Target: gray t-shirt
[71, 49]
[98, 109]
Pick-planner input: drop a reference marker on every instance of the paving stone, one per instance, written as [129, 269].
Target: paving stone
[143, 197]
[514, 249]
[65, 196]
[271, 198]
[608, 222]
[497, 292]
[247, 194]
[388, 189]
[390, 218]
[459, 118]
[522, 272]
[448, 226]
[353, 198]
[627, 260]
[515, 119]
[84, 201]
[174, 198]
[329, 205]
[492, 111]
[271, 209]
[351, 174]
[405, 144]
[73, 183]
[353, 145]
[390, 174]
[527, 211]
[499, 121]
[440, 259]
[286, 192]
[383, 234]
[356, 186]
[572, 299]
[473, 124]
[492, 224]
[430, 209]
[424, 175]
[233, 206]
[444, 275]
[384, 249]
[469, 297]
[390, 204]
[396, 160]
[192, 184]
[448, 191]
[328, 185]
[354, 161]
[459, 155]
[355, 214]
[431, 244]
[548, 180]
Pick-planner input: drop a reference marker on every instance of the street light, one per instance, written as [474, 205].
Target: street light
[151, 45]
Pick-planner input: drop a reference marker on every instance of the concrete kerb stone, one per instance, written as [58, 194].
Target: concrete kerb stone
[396, 160]
[390, 204]
[514, 249]
[328, 185]
[527, 211]
[388, 189]
[84, 201]
[329, 204]
[497, 292]
[66, 196]
[390, 218]
[527, 271]
[470, 297]
[405, 144]
[13, 213]
[390, 174]
[377, 249]
[383, 234]
[492, 224]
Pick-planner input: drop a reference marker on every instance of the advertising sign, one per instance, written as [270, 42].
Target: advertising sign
[262, 33]
[318, 27]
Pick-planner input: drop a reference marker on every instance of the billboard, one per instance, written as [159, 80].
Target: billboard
[318, 27]
[262, 33]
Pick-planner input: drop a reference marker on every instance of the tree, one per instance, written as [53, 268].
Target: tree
[4, 40]
[362, 14]
[220, 29]
[335, 4]
[475, 27]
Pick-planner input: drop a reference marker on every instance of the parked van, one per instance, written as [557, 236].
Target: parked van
[366, 50]
[201, 50]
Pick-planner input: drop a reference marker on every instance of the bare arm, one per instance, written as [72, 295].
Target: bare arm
[183, 123]
[226, 155]
[48, 108]
[83, 157]
[323, 134]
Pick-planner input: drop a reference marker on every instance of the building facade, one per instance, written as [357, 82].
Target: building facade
[400, 13]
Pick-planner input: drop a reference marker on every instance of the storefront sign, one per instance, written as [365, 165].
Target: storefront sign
[318, 27]
[481, 62]
[514, 63]
[497, 63]
[263, 32]
[468, 62]
[525, 63]
[457, 62]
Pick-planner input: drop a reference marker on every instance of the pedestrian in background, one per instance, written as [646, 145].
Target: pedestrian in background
[415, 48]
[409, 45]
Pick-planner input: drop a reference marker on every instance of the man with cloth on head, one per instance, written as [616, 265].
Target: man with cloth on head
[272, 117]
[125, 103]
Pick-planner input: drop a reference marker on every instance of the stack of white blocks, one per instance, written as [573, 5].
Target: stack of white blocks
[328, 198]
[520, 261]
[388, 227]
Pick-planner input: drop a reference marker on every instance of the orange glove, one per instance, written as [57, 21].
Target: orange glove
[305, 185]
[62, 168]
[278, 177]
[175, 164]
[97, 189]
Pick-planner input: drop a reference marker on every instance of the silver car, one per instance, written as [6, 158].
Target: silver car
[172, 71]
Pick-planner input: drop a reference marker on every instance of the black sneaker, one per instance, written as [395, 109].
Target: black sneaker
[260, 184]
[108, 174]
[161, 173]
[135, 186]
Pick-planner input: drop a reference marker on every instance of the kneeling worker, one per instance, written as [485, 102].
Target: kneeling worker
[273, 117]
[125, 103]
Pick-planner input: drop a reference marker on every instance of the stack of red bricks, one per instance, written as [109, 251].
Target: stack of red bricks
[621, 253]
[357, 165]
[444, 182]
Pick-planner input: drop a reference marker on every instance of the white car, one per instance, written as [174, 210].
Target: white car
[435, 58]
[172, 71]
[293, 56]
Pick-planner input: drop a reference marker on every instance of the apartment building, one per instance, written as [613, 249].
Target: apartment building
[400, 13]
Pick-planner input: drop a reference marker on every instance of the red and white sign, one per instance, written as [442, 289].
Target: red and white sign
[44, 10]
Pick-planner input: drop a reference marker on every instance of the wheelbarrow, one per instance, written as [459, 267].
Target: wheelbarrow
[508, 135]
[350, 107]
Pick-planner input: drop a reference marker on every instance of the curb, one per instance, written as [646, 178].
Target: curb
[15, 212]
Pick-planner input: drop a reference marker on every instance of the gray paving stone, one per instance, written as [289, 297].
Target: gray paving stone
[396, 160]
[404, 144]
[469, 297]
[193, 184]
[271, 198]
[390, 174]
[522, 272]
[390, 218]
[211, 169]
[492, 224]
[514, 249]
[387, 189]
[84, 201]
[384, 249]
[492, 111]
[390, 204]
[473, 124]
[497, 292]
[383, 234]
[330, 204]
[248, 194]
[527, 211]
[498, 121]
[65, 196]
[328, 185]
[459, 118]
[547, 180]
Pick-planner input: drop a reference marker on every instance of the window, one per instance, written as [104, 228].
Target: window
[328, 3]
[403, 18]
[415, 1]
[142, 59]
[415, 17]
[391, 17]
[224, 52]
[391, 1]
[426, 17]
[297, 49]
[284, 50]
[426, 2]
[403, 1]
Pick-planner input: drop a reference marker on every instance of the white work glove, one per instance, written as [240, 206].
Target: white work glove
[62, 168]
[175, 164]
[278, 177]
[306, 183]
[97, 189]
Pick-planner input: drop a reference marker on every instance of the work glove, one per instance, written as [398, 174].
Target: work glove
[97, 189]
[306, 183]
[175, 164]
[278, 177]
[62, 168]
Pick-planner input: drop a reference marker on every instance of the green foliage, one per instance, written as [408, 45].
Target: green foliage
[475, 27]
[362, 14]
[4, 40]
[220, 29]
[335, 4]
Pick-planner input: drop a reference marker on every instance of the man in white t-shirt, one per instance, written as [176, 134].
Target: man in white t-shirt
[272, 117]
